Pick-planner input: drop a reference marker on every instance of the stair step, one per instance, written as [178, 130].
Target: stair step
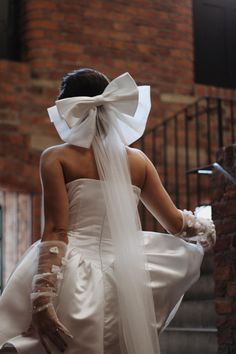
[188, 341]
[203, 289]
[195, 314]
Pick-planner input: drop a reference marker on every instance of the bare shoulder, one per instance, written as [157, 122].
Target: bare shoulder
[50, 160]
[136, 154]
[137, 163]
[53, 153]
[137, 157]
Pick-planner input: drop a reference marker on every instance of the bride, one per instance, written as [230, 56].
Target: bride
[95, 283]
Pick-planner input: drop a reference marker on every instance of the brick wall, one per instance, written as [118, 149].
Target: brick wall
[224, 215]
[153, 40]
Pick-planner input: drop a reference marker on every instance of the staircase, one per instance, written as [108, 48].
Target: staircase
[183, 147]
[193, 330]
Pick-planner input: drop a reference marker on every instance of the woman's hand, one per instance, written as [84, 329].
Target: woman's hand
[50, 329]
[45, 287]
[198, 228]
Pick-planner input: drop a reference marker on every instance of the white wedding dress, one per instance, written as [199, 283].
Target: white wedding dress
[87, 302]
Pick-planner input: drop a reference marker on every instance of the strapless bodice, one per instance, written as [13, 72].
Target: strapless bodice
[87, 210]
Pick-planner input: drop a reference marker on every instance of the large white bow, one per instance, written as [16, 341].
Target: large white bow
[75, 118]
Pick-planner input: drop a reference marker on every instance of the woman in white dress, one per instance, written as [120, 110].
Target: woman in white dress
[94, 283]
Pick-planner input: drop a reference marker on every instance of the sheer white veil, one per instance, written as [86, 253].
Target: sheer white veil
[109, 122]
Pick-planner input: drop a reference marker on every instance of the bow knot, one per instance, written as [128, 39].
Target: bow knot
[75, 117]
[99, 100]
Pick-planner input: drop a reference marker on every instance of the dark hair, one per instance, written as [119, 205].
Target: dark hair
[83, 82]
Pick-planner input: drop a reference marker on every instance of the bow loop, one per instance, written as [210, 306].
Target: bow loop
[75, 117]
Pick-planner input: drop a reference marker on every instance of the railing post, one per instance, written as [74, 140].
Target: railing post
[154, 160]
[208, 130]
[176, 161]
[232, 120]
[220, 123]
[165, 154]
[186, 156]
[1, 253]
[197, 133]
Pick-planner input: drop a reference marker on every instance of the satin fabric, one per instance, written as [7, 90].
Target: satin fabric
[87, 302]
[122, 100]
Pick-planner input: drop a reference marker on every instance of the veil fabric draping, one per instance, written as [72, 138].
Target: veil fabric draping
[108, 122]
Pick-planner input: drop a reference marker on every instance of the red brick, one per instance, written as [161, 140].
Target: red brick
[221, 289]
[230, 193]
[221, 321]
[234, 241]
[230, 209]
[42, 4]
[231, 289]
[223, 306]
[233, 321]
[222, 244]
[224, 209]
[225, 336]
[223, 273]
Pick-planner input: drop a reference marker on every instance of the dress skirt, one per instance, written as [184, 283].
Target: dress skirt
[87, 302]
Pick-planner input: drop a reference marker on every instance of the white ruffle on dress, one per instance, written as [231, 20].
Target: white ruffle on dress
[87, 303]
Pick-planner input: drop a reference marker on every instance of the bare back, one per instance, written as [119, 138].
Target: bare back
[79, 162]
[64, 163]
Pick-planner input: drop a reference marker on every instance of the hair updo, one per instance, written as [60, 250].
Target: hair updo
[83, 82]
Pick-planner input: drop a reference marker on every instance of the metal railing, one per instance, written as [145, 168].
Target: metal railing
[180, 145]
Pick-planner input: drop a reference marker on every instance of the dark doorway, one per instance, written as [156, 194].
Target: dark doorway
[214, 42]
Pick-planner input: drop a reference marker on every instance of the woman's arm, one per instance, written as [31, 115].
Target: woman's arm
[55, 198]
[157, 200]
[52, 252]
[182, 224]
